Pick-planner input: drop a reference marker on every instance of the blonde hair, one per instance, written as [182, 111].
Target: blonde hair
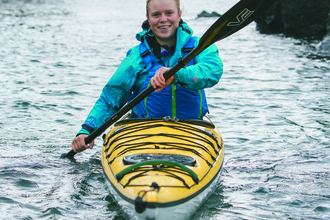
[177, 5]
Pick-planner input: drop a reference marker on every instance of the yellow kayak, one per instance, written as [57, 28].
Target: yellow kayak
[159, 168]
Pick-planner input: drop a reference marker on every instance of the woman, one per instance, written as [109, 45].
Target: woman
[164, 40]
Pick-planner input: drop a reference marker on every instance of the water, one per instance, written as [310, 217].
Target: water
[271, 106]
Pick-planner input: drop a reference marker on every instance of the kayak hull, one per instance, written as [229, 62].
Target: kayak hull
[162, 169]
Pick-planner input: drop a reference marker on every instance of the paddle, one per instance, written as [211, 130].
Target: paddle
[240, 15]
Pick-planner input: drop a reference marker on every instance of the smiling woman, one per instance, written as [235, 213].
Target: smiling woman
[164, 40]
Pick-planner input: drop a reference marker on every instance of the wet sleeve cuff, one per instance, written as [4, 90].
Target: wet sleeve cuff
[86, 129]
[177, 80]
[82, 131]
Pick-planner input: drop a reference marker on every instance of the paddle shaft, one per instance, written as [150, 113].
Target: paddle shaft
[236, 18]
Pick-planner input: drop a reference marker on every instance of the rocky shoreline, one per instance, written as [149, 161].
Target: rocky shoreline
[301, 19]
[296, 18]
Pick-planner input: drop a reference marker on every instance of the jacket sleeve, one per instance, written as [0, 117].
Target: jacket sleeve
[115, 94]
[206, 72]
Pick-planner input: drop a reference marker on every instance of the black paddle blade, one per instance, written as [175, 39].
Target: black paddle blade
[236, 18]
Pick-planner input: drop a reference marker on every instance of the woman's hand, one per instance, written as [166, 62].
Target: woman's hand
[158, 80]
[78, 144]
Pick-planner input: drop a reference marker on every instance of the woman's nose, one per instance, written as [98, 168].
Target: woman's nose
[163, 18]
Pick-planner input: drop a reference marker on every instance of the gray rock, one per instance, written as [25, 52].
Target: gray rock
[207, 15]
[296, 18]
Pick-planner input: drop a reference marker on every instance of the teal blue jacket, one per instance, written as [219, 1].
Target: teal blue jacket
[131, 74]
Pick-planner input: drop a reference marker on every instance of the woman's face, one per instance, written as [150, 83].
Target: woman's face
[164, 18]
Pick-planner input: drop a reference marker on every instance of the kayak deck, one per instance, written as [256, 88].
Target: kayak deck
[153, 163]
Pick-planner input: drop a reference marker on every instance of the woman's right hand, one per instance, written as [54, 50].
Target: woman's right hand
[78, 144]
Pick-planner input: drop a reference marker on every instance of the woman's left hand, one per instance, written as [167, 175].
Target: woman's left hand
[158, 80]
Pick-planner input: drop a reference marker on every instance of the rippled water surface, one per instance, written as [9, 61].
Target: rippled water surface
[272, 106]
